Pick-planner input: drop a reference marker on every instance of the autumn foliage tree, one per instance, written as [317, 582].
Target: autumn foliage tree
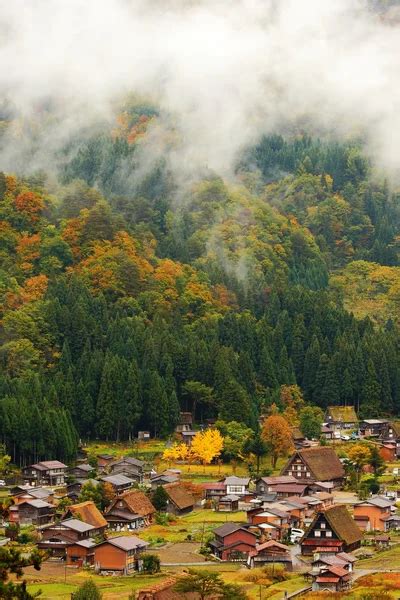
[277, 435]
[207, 445]
[29, 204]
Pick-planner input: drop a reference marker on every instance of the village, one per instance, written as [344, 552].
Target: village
[142, 522]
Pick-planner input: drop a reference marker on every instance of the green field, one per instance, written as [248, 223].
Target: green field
[111, 587]
[196, 526]
[386, 559]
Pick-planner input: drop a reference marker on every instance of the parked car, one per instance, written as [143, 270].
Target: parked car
[2, 483]
[296, 535]
[345, 438]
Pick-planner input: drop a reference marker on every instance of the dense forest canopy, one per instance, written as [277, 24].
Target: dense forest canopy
[126, 299]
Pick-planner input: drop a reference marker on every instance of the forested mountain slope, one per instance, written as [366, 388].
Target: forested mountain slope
[123, 303]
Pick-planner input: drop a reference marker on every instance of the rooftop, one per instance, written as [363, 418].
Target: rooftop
[228, 528]
[127, 542]
[233, 480]
[77, 525]
[376, 501]
[128, 459]
[341, 523]
[88, 513]
[117, 480]
[137, 502]
[322, 461]
[278, 479]
[36, 503]
[290, 488]
[39, 493]
[86, 543]
[179, 496]
[49, 464]
[84, 467]
[342, 414]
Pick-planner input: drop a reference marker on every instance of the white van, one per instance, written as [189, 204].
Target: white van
[296, 535]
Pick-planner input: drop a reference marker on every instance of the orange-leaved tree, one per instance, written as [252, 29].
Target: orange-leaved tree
[277, 435]
[30, 204]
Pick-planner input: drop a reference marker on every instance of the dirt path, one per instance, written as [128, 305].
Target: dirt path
[180, 553]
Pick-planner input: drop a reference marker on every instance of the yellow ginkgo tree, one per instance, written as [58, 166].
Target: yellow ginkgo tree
[206, 445]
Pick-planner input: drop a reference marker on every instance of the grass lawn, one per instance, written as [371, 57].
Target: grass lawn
[151, 451]
[277, 591]
[387, 559]
[140, 449]
[196, 526]
[110, 587]
[212, 516]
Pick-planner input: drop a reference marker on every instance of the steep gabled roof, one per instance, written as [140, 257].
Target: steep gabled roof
[342, 414]
[323, 463]
[341, 522]
[88, 513]
[179, 496]
[395, 425]
[137, 502]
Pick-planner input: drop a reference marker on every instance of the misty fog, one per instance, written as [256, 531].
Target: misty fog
[221, 72]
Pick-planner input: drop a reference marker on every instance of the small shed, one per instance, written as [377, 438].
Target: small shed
[382, 542]
[228, 503]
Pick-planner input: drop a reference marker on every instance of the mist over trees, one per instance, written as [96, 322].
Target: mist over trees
[174, 236]
[121, 308]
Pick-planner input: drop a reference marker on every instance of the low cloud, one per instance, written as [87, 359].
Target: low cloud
[223, 72]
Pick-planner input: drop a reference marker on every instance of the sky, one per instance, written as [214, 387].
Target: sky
[223, 72]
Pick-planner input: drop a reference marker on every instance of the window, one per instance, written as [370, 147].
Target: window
[317, 533]
[308, 474]
[322, 525]
[299, 467]
[328, 533]
[235, 489]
